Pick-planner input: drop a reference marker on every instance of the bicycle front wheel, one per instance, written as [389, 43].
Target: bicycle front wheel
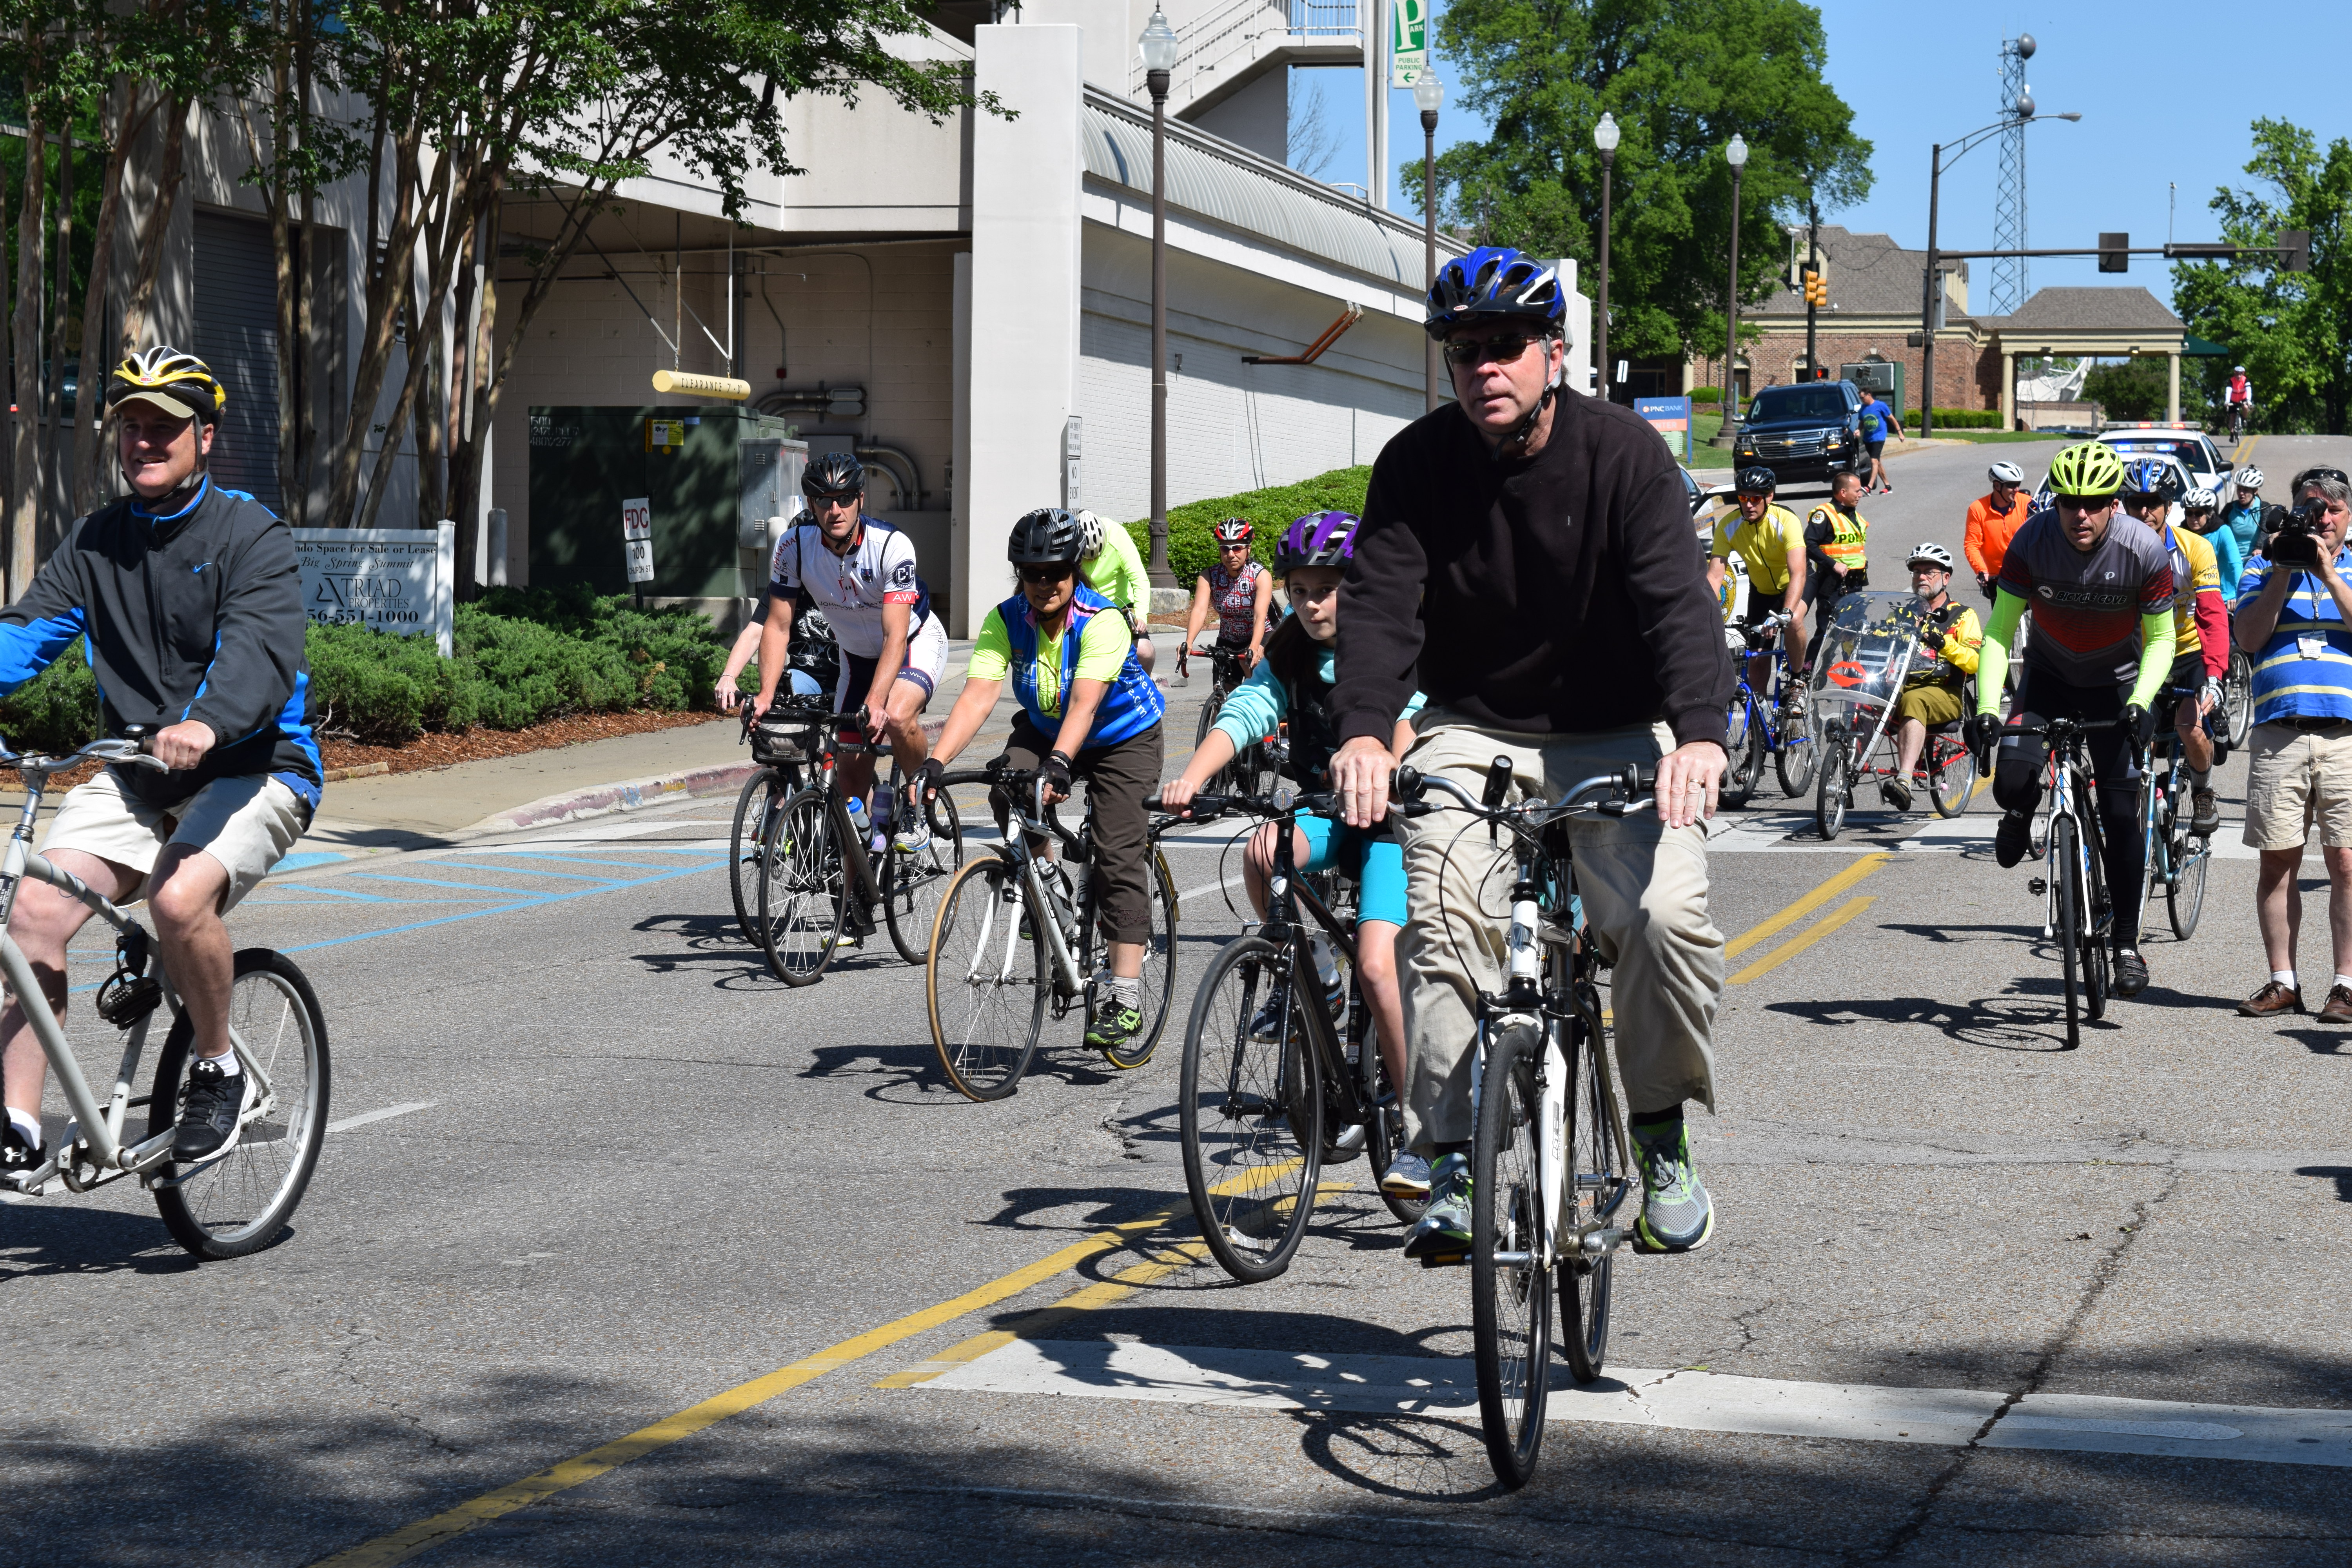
[2185, 899]
[803, 896]
[914, 881]
[239, 1203]
[1510, 1287]
[2238, 697]
[985, 980]
[1951, 775]
[1800, 751]
[1601, 1193]
[1830, 799]
[2066, 891]
[1250, 1107]
[763, 792]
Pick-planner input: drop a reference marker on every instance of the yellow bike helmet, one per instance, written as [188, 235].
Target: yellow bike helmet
[2091, 471]
[176, 383]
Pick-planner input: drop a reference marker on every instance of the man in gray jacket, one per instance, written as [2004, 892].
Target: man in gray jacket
[190, 603]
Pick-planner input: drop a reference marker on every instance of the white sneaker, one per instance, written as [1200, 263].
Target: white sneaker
[910, 836]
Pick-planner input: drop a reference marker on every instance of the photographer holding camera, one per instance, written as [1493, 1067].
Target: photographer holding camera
[2293, 606]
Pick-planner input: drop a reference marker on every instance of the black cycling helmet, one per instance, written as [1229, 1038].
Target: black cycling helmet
[1048, 536]
[1757, 482]
[834, 476]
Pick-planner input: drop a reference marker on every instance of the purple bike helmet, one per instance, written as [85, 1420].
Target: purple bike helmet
[1318, 539]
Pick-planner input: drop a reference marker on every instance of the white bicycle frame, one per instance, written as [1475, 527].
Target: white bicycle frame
[2061, 802]
[91, 1152]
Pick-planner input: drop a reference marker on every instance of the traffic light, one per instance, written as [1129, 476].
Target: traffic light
[2114, 252]
[1817, 288]
[2295, 249]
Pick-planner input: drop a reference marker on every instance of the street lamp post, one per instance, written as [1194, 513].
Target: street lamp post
[1429, 93]
[1158, 46]
[1737, 157]
[2023, 114]
[1605, 137]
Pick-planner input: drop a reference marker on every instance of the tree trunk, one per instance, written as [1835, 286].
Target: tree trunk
[156, 227]
[474, 431]
[24, 487]
[388, 290]
[89, 444]
[440, 258]
[52, 389]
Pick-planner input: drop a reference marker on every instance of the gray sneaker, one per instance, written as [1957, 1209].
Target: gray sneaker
[1676, 1214]
[1407, 1177]
[1443, 1232]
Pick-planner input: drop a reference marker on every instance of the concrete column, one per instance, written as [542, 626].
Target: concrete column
[962, 622]
[2008, 390]
[1022, 358]
[2172, 386]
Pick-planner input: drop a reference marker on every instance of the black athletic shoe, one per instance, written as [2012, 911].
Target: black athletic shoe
[2131, 973]
[2011, 839]
[16, 1154]
[209, 1109]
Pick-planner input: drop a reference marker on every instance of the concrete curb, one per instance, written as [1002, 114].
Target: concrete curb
[629, 794]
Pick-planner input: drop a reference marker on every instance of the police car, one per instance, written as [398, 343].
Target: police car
[2185, 444]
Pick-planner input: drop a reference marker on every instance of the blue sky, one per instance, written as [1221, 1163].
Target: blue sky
[2167, 89]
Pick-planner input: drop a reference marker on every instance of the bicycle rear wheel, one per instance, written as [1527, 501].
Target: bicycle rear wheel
[913, 881]
[1251, 1113]
[1951, 775]
[986, 981]
[1599, 1190]
[1159, 964]
[1801, 751]
[1221, 781]
[2065, 888]
[761, 794]
[1510, 1289]
[1830, 799]
[2096, 983]
[2185, 899]
[239, 1203]
[803, 894]
[1388, 1103]
[2238, 697]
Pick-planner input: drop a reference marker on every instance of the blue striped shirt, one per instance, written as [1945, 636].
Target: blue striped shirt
[2304, 670]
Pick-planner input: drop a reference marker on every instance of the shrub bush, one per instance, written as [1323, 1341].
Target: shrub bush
[1959, 420]
[1706, 395]
[1193, 548]
[56, 710]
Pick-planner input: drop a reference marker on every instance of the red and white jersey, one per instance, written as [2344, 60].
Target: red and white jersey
[851, 589]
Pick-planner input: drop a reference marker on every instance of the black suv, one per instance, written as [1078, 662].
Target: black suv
[1803, 432]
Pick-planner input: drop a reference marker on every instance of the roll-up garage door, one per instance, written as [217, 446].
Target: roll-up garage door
[236, 334]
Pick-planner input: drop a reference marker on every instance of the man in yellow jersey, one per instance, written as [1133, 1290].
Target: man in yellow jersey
[1834, 556]
[1931, 692]
[1770, 544]
[2201, 630]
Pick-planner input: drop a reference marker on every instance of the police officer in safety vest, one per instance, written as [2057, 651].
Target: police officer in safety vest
[1087, 711]
[1834, 556]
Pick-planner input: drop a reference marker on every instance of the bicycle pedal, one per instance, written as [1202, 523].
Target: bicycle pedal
[1446, 1260]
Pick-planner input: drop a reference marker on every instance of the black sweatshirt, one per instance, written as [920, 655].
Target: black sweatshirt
[194, 616]
[1555, 595]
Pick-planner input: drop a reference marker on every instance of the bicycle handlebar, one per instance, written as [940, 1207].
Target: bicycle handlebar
[105, 750]
[1633, 784]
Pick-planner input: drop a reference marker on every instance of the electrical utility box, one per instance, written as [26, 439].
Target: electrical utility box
[1882, 376]
[712, 477]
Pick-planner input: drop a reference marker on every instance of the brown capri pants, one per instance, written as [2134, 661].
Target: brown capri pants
[1119, 778]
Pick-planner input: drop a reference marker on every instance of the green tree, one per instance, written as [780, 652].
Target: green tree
[2292, 331]
[1681, 77]
[2130, 389]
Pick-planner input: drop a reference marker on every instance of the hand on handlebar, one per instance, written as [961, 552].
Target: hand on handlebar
[183, 744]
[1360, 777]
[1176, 795]
[1053, 772]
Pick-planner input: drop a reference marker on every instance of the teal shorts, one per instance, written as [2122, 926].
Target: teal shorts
[1377, 864]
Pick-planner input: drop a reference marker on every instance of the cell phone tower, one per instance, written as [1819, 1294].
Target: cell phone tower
[2010, 288]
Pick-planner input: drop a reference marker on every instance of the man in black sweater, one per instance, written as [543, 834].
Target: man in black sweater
[1525, 557]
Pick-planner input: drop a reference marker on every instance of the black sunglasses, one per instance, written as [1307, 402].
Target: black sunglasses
[1052, 572]
[1462, 352]
[2335, 474]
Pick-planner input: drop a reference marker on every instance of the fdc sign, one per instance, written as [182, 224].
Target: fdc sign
[395, 579]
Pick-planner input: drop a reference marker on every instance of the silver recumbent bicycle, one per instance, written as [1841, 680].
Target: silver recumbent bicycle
[234, 1202]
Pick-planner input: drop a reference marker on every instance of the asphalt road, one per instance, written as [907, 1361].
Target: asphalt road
[648, 1230]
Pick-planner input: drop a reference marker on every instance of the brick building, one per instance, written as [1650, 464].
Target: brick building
[1875, 289]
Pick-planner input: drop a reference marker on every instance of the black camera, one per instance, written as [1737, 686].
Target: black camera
[2296, 542]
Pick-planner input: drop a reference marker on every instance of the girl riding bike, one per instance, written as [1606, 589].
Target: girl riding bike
[1292, 682]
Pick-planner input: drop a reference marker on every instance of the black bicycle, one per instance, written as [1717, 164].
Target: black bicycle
[1017, 937]
[1256, 767]
[783, 741]
[825, 875]
[2176, 857]
[2080, 916]
[1280, 1079]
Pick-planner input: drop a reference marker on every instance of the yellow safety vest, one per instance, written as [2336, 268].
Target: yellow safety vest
[1844, 546]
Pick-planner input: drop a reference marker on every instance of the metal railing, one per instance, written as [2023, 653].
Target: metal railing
[1211, 42]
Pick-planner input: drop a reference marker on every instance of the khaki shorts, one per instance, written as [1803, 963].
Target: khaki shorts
[1931, 705]
[2294, 778]
[245, 823]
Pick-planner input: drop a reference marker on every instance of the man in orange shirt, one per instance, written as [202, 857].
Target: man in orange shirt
[1992, 521]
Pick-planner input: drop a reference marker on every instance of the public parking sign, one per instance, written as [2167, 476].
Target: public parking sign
[638, 537]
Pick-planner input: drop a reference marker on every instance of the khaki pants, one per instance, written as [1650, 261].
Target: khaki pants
[1644, 891]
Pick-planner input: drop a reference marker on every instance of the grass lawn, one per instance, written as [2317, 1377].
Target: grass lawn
[1997, 436]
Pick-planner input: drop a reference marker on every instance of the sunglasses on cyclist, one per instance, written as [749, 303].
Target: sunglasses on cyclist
[1051, 572]
[1462, 352]
[2333, 475]
[1236, 548]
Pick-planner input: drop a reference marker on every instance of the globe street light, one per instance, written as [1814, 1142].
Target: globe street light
[1158, 46]
[1429, 93]
[1737, 157]
[1605, 137]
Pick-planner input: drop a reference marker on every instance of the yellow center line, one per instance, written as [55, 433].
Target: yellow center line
[1797, 944]
[1764, 930]
[410, 1539]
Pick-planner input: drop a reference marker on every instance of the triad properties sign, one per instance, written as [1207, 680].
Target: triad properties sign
[395, 579]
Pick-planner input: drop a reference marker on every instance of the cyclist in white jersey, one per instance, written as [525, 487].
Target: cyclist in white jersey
[894, 650]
